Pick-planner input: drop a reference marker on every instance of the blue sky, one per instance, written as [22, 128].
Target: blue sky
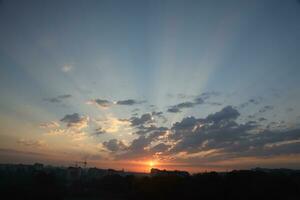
[57, 58]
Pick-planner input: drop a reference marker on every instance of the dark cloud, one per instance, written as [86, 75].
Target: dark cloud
[106, 103]
[226, 113]
[188, 104]
[129, 102]
[160, 115]
[64, 96]
[114, 145]
[198, 100]
[141, 146]
[99, 131]
[157, 113]
[262, 119]
[102, 102]
[147, 142]
[207, 95]
[220, 132]
[266, 108]
[161, 147]
[253, 101]
[58, 99]
[75, 121]
[144, 119]
[214, 103]
[251, 116]
[143, 130]
[173, 110]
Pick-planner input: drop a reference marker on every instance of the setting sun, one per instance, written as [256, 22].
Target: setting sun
[151, 163]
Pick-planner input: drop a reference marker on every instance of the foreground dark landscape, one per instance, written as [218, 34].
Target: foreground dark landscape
[47, 182]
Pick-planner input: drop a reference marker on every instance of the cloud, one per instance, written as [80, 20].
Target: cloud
[144, 119]
[146, 144]
[99, 131]
[207, 95]
[114, 145]
[226, 113]
[64, 96]
[56, 131]
[75, 133]
[137, 149]
[103, 103]
[188, 104]
[51, 124]
[173, 110]
[143, 130]
[262, 119]
[129, 102]
[67, 67]
[266, 108]
[160, 148]
[32, 143]
[75, 121]
[58, 99]
[254, 101]
[221, 134]
[112, 125]
[160, 115]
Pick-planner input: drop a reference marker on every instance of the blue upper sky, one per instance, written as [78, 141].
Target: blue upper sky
[86, 68]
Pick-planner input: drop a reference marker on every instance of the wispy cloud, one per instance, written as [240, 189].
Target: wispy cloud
[103, 103]
[188, 104]
[58, 99]
[50, 125]
[32, 143]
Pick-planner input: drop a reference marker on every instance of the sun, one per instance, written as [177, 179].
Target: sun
[151, 163]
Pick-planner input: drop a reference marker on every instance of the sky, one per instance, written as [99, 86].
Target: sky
[191, 85]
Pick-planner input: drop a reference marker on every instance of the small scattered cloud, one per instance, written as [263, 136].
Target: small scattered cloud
[50, 125]
[75, 121]
[102, 103]
[99, 131]
[67, 67]
[129, 102]
[173, 110]
[262, 119]
[253, 101]
[58, 99]
[266, 108]
[188, 104]
[209, 94]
